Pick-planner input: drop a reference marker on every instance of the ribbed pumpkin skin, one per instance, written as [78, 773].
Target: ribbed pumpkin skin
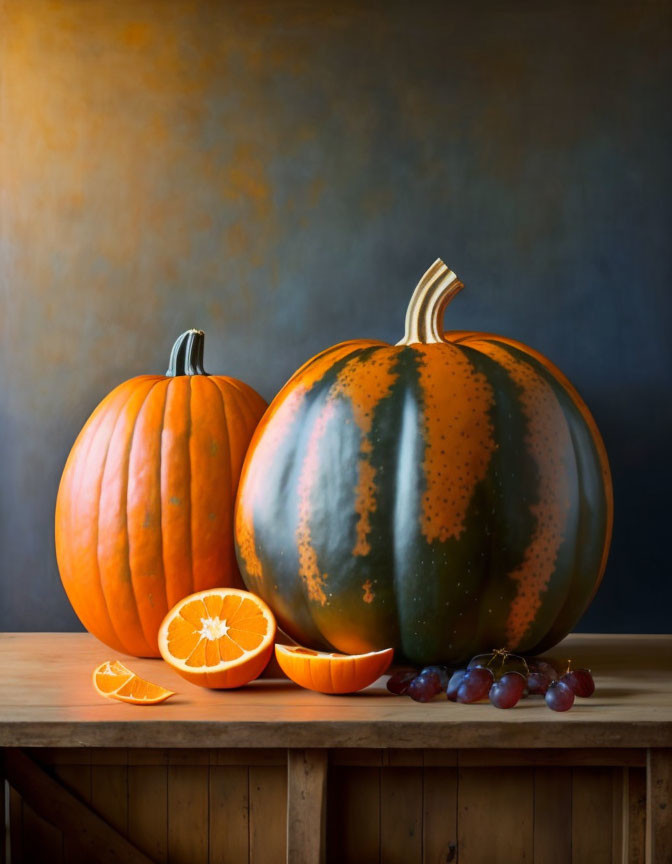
[144, 514]
[442, 499]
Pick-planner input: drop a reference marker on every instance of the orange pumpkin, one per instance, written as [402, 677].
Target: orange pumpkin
[144, 514]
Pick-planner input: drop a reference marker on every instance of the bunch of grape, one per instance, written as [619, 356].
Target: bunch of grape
[500, 676]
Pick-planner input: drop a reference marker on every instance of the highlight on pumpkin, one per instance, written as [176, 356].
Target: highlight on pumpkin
[113, 680]
[221, 638]
[331, 672]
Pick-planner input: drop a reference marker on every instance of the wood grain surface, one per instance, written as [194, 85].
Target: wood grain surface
[306, 806]
[46, 699]
[394, 805]
[92, 837]
[659, 807]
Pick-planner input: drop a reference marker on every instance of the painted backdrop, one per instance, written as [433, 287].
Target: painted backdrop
[280, 174]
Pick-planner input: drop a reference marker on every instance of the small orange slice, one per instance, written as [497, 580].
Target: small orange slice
[220, 638]
[332, 673]
[114, 681]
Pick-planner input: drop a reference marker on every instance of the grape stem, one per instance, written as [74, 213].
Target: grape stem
[503, 654]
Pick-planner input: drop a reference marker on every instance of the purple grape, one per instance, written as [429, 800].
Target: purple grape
[423, 688]
[545, 668]
[506, 692]
[580, 681]
[398, 682]
[475, 685]
[481, 660]
[559, 697]
[454, 683]
[432, 676]
[537, 683]
[440, 671]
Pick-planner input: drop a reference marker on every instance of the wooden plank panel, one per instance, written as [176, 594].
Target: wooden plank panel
[72, 767]
[562, 758]
[188, 814]
[247, 756]
[148, 756]
[401, 815]
[552, 815]
[356, 756]
[353, 815]
[592, 814]
[439, 758]
[500, 839]
[229, 814]
[41, 841]
[634, 817]
[61, 755]
[659, 806]
[109, 788]
[618, 813]
[108, 756]
[76, 778]
[148, 810]
[189, 756]
[439, 823]
[94, 838]
[268, 814]
[409, 758]
[306, 806]
[4, 805]
[15, 827]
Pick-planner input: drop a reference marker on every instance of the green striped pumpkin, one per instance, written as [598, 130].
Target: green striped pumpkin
[444, 496]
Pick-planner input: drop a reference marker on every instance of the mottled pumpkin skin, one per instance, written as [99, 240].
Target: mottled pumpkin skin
[144, 514]
[443, 499]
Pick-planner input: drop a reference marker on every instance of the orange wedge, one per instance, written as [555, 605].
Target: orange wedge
[114, 681]
[332, 673]
[220, 638]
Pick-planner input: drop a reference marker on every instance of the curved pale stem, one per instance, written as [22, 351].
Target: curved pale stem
[424, 316]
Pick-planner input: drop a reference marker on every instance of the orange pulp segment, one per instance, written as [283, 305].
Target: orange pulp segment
[114, 681]
[219, 638]
[332, 673]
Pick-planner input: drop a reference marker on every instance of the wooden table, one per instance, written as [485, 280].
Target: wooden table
[239, 776]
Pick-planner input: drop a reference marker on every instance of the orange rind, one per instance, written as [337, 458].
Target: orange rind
[332, 673]
[113, 680]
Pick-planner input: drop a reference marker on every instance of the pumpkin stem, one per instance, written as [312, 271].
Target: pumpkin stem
[424, 316]
[186, 358]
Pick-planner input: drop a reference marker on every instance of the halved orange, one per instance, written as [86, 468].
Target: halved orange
[332, 673]
[114, 681]
[220, 638]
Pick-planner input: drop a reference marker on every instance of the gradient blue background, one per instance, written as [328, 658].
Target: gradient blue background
[281, 174]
